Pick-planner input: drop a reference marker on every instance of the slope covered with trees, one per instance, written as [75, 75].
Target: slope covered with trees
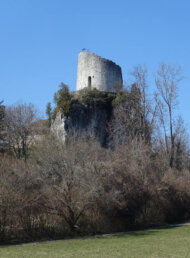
[139, 176]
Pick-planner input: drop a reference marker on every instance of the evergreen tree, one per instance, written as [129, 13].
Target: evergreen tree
[49, 113]
[62, 99]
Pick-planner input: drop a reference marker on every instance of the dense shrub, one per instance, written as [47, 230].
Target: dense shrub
[81, 188]
[94, 98]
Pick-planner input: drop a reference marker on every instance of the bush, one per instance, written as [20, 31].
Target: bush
[98, 98]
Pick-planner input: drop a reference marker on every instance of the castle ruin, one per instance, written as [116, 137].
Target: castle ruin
[94, 72]
[99, 73]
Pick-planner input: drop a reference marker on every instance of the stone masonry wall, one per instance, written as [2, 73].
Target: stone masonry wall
[97, 72]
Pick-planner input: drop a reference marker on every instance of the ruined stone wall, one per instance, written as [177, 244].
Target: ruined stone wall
[97, 72]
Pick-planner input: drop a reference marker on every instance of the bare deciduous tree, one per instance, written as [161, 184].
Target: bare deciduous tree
[126, 123]
[167, 81]
[148, 112]
[20, 128]
[182, 149]
[2, 126]
[71, 175]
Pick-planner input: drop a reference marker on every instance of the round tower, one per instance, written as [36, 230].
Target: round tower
[97, 72]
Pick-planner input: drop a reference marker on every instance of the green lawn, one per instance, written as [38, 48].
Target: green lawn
[172, 242]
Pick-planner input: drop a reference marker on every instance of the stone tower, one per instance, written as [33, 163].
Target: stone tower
[97, 72]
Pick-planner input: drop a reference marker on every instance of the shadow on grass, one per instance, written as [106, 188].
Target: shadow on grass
[145, 232]
[136, 234]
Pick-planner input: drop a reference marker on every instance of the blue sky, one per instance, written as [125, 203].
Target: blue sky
[40, 41]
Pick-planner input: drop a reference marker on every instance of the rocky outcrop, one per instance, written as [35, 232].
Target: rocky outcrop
[92, 121]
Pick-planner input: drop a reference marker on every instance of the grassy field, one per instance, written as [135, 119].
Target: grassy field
[171, 242]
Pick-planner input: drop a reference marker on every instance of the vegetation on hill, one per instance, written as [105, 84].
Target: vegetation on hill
[66, 102]
[51, 189]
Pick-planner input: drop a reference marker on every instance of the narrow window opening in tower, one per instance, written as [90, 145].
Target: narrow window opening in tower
[89, 82]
